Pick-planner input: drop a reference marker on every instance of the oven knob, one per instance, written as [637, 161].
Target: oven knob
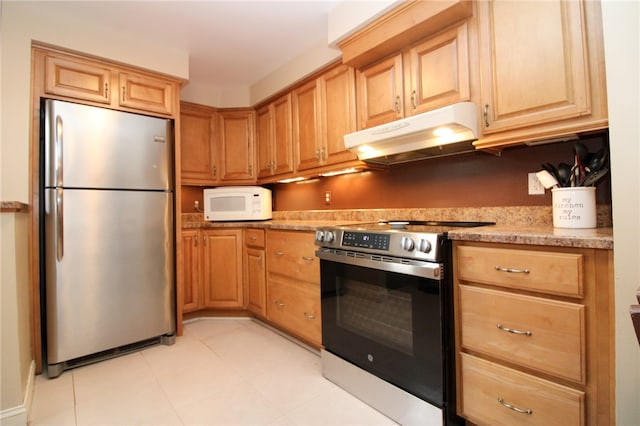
[319, 236]
[424, 246]
[407, 244]
[329, 236]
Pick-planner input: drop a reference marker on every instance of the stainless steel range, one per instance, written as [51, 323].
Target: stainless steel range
[387, 316]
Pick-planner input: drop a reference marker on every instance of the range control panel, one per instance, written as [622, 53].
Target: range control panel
[366, 240]
[412, 245]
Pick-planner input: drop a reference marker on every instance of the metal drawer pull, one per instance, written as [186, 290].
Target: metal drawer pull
[513, 330]
[514, 408]
[515, 271]
[253, 237]
[307, 258]
[279, 304]
[309, 316]
[278, 253]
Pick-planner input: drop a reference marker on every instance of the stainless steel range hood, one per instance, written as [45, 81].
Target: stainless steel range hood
[445, 131]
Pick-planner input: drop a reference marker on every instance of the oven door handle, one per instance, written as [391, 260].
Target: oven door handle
[417, 268]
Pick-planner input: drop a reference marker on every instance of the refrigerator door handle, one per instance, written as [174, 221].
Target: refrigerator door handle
[59, 225]
[58, 150]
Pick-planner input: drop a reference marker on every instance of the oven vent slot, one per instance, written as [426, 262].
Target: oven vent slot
[355, 254]
[388, 259]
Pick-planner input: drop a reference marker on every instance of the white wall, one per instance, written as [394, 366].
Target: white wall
[22, 22]
[621, 22]
[15, 319]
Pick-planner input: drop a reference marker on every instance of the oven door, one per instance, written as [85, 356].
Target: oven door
[386, 318]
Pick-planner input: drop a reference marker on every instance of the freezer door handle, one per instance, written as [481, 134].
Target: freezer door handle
[58, 148]
[59, 225]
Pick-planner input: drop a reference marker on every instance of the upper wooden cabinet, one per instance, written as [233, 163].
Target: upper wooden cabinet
[75, 77]
[198, 156]
[145, 93]
[323, 112]
[541, 70]
[235, 135]
[438, 71]
[429, 74]
[274, 139]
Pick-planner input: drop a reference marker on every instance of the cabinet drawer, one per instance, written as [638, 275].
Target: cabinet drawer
[254, 237]
[549, 272]
[556, 342]
[296, 307]
[485, 385]
[292, 254]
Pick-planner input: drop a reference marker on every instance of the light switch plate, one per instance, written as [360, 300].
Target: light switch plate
[535, 186]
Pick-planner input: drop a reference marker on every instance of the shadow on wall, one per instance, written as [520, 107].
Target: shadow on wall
[468, 180]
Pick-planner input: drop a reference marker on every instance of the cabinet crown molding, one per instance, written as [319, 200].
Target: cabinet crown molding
[400, 27]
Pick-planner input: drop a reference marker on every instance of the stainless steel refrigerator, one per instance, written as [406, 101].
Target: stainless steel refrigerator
[108, 225]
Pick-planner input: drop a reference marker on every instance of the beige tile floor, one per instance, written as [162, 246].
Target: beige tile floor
[221, 372]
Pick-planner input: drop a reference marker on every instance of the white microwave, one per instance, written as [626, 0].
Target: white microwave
[230, 203]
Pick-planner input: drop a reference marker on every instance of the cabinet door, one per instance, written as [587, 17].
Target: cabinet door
[146, 93]
[222, 253]
[338, 111]
[282, 142]
[306, 126]
[379, 92]
[439, 71]
[533, 62]
[235, 138]
[77, 79]
[197, 165]
[264, 141]
[191, 270]
[255, 281]
[274, 138]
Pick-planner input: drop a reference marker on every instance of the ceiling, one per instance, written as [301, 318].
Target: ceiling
[230, 42]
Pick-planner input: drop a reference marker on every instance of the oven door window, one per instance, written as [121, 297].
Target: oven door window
[386, 323]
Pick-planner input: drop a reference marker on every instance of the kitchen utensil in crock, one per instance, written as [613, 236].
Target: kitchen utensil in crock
[546, 179]
[599, 160]
[551, 169]
[594, 177]
[564, 174]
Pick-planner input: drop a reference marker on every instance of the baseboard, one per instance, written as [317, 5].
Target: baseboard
[18, 416]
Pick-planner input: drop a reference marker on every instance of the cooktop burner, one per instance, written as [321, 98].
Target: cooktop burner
[416, 239]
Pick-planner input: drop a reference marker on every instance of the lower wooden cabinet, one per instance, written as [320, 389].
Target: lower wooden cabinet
[533, 327]
[255, 287]
[273, 274]
[293, 284]
[212, 269]
[498, 395]
[295, 306]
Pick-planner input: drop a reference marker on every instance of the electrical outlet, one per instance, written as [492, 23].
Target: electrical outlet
[535, 186]
[327, 197]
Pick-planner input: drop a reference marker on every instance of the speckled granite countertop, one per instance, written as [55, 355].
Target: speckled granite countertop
[600, 238]
[515, 225]
[13, 207]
